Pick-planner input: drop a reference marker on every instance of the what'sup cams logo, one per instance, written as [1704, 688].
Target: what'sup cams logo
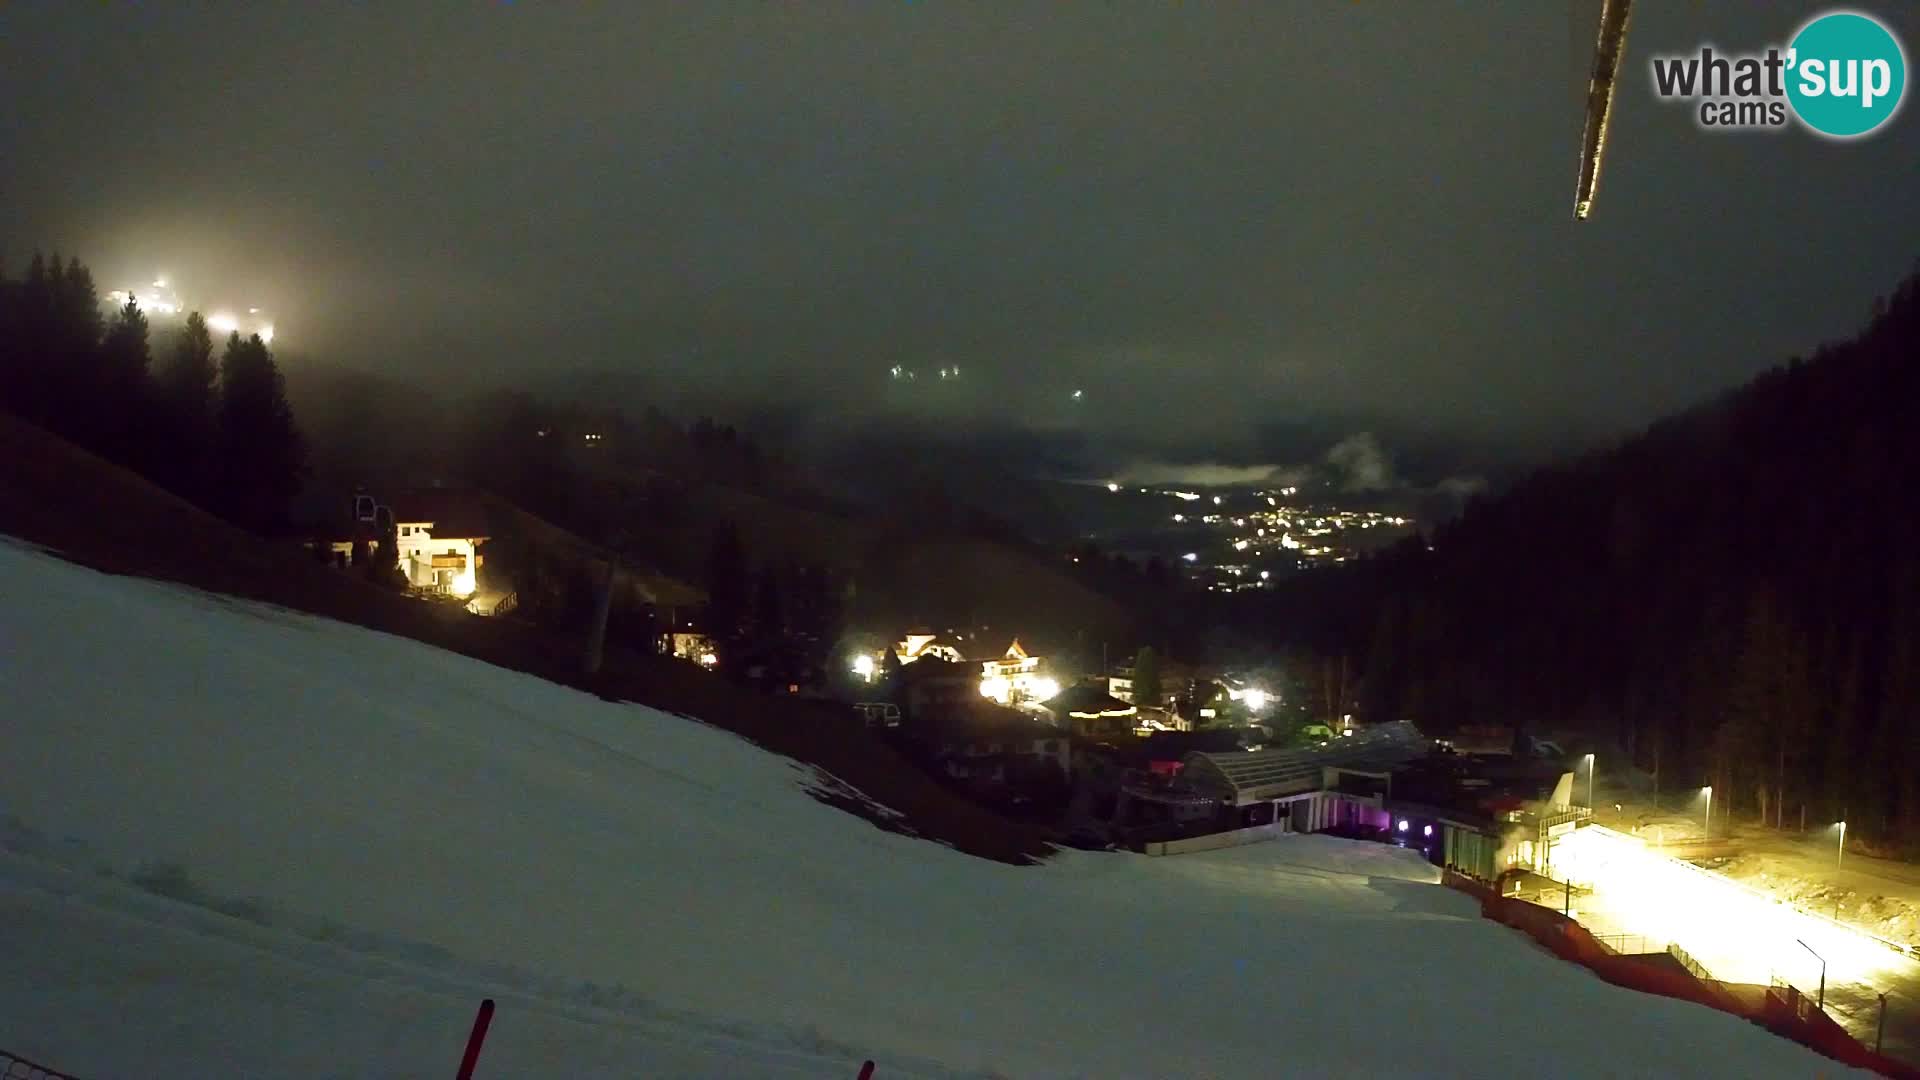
[1842, 76]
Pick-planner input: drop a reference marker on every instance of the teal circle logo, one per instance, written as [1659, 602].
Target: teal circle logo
[1846, 74]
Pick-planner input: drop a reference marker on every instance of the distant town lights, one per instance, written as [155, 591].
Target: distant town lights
[1113, 488]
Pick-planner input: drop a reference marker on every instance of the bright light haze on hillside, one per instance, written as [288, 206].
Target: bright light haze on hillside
[1262, 212]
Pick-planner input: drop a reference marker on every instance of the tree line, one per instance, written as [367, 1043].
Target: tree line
[784, 621]
[221, 435]
[1733, 597]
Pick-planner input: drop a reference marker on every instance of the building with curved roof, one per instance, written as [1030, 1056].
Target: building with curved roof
[1244, 779]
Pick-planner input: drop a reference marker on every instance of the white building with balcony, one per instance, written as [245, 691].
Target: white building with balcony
[1016, 677]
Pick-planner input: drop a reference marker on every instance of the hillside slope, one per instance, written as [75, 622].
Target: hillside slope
[905, 568]
[105, 517]
[245, 841]
[1734, 596]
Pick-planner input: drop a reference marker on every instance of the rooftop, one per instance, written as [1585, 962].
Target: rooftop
[1273, 774]
[452, 513]
[1087, 699]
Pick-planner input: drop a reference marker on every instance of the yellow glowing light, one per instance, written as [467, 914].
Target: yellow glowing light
[266, 334]
[863, 666]
[222, 322]
[1738, 933]
[1045, 689]
[707, 659]
[996, 688]
[464, 584]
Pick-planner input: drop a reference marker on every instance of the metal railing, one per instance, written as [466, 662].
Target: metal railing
[1694, 967]
[502, 606]
[1632, 944]
[15, 1067]
[1548, 816]
[1789, 995]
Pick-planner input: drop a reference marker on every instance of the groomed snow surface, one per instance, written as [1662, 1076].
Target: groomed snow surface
[240, 841]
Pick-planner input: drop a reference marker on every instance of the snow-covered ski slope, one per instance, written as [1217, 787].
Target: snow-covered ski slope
[244, 842]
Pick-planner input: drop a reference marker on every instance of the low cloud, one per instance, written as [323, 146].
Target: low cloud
[1161, 474]
[1361, 463]
[1462, 487]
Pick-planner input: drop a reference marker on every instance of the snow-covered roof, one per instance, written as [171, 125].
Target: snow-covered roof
[1088, 699]
[1273, 774]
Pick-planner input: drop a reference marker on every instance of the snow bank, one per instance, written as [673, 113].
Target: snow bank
[354, 837]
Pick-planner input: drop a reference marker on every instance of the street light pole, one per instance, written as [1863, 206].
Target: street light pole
[1823, 972]
[1592, 764]
[1841, 855]
[1880, 1034]
[1709, 790]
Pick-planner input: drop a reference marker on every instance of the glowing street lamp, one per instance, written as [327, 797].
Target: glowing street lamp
[863, 666]
[1840, 856]
[1590, 770]
[1708, 792]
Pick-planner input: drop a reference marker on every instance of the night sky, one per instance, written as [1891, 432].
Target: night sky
[1202, 214]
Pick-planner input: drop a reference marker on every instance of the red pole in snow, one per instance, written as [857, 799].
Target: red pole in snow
[866, 1071]
[474, 1040]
